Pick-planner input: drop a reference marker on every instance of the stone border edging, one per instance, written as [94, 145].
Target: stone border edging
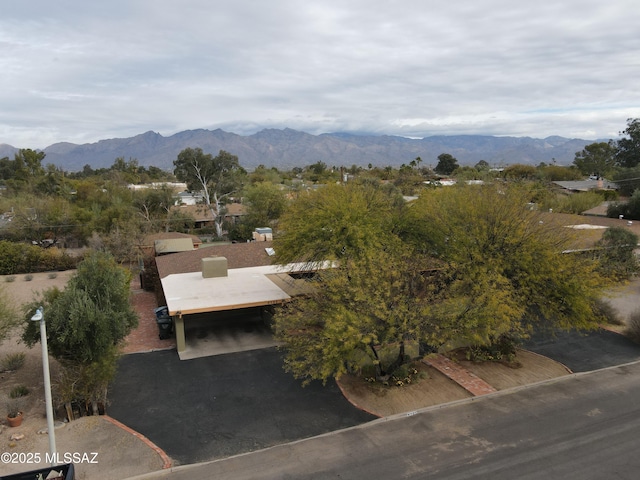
[165, 458]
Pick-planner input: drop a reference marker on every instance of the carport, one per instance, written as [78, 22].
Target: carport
[217, 289]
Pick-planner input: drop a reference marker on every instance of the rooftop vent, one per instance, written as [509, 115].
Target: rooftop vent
[213, 267]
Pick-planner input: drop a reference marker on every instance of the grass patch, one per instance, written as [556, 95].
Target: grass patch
[19, 391]
[12, 362]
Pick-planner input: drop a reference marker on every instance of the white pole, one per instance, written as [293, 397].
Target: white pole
[47, 386]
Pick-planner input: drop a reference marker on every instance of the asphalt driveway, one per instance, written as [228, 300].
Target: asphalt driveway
[586, 351]
[218, 406]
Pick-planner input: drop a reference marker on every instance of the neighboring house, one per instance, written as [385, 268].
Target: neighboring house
[222, 278]
[188, 198]
[202, 215]
[175, 186]
[234, 212]
[587, 185]
[169, 242]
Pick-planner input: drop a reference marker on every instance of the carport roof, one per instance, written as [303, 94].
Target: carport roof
[188, 293]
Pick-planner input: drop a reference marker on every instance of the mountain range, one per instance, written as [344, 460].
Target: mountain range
[289, 148]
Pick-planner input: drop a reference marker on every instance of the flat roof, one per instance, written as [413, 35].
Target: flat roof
[188, 293]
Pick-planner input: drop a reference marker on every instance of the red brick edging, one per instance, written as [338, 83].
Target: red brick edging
[165, 458]
[463, 377]
[344, 394]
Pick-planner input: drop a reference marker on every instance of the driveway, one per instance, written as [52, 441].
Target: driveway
[586, 351]
[215, 407]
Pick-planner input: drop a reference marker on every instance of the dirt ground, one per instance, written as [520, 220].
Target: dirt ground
[121, 454]
[434, 388]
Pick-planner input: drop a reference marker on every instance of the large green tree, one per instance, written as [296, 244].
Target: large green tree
[447, 163]
[505, 270]
[463, 266]
[372, 297]
[596, 159]
[362, 313]
[336, 222]
[628, 147]
[265, 203]
[216, 177]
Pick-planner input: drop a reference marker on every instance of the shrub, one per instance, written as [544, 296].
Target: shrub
[28, 277]
[52, 275]
[630, 209]
[617, 259]
[501, 350]
[579, 202]
[23, 258]
[633, 326]
[19, 391]
[14, 407]
[10, 278]
[12, 362]
[607, 312]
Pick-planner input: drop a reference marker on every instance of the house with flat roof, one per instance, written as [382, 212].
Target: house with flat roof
[204, 284]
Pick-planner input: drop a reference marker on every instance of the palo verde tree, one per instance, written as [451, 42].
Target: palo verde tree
[216, 177]
[336, 222]
[502, 265]
[371, 297]
[86, 322]
[364, 311]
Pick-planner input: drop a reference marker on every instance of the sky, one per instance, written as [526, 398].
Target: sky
[81, 71]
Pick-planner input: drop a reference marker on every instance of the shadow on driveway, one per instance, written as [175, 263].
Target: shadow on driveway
[586, 351]
[215, 407]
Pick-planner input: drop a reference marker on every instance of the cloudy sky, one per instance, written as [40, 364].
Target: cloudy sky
[81, 71]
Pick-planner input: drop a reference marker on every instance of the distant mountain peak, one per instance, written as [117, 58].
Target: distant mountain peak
[287, 148]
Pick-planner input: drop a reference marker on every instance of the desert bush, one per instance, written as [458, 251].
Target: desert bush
[14, 407]
[12, 362]
[629, 210]
[28, 277]
[24, 258]
[502, 349]
[633, 326]
[52, 275]
[579, 202]
[19, 391]
[616, 256]
[607, 312]
[10, 278]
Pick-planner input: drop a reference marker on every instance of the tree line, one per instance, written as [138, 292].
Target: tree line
[474, 265]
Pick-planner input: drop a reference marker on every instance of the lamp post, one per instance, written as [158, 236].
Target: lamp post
[39, 317]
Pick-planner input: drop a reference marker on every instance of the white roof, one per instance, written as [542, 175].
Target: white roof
[188, 293]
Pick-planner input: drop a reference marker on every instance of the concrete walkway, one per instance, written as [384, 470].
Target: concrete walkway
[463, 377]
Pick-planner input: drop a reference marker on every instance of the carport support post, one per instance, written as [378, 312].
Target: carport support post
[180, 338]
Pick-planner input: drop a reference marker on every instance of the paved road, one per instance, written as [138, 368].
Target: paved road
[582, 427]
[218, 406]
[585, 352]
